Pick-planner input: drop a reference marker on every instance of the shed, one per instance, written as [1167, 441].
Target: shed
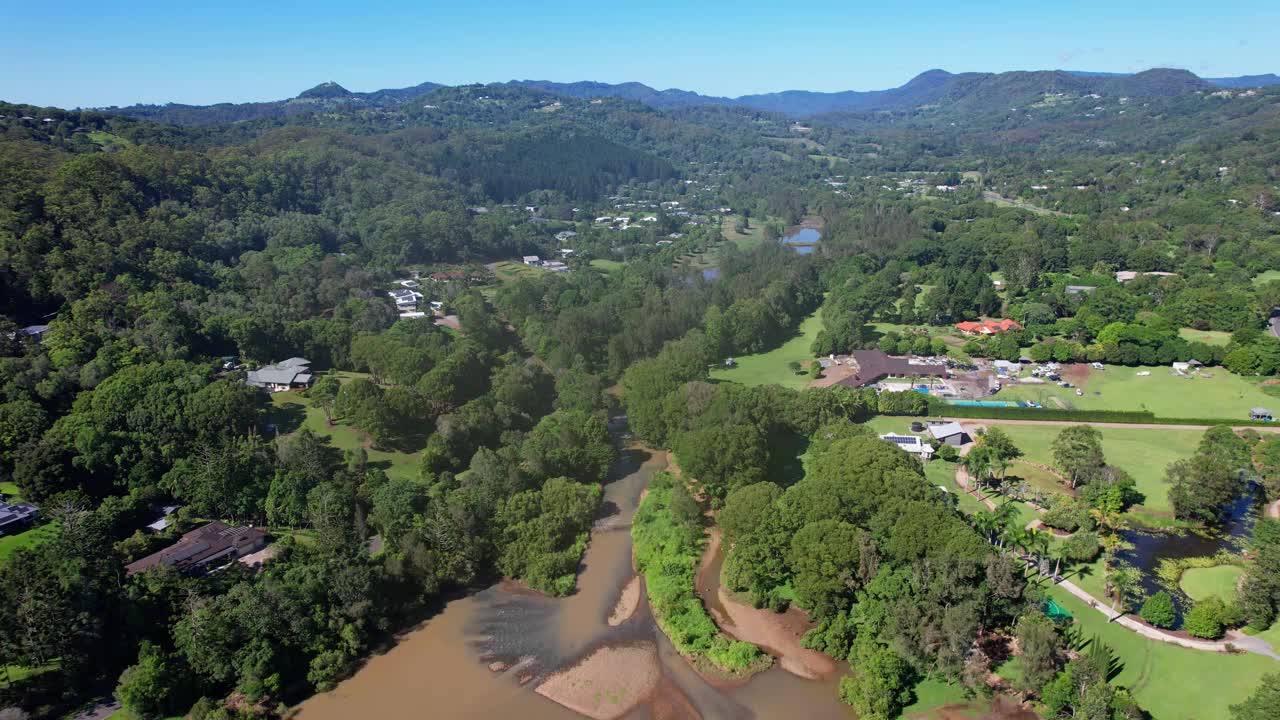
[951, 433]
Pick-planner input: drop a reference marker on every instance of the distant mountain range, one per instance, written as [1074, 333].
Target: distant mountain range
[928, 88]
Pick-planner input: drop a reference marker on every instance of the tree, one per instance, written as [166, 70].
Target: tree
[829, 559]
[569, 443]
[1262, 704]
[1158, 610]
[323, 394]
[1040, 651]
[152, 686]
[881, 684]
[1078, 452]
[1201, 488]
[1206, 619]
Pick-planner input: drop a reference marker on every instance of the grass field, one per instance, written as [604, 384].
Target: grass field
[511, 270]
[1167, 680]
[1214, 393]
[292, 411]
[1144, 454]
[1220, 580]
[1266, 277]
[770, 368]
[1208, 337]
[27, 538]
[607, 265]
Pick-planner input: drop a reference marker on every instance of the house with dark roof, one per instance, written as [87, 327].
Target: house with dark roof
[291, 374]
[872, 366]
[15, 517]
[204, 549]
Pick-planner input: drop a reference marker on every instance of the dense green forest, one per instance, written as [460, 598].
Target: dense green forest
[165, 260]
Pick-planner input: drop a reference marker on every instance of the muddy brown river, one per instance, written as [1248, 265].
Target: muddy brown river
[500, 652]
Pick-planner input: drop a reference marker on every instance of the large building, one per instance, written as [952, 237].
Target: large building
[291, 374]
[204, 549]
[872, 366]
[987, 327]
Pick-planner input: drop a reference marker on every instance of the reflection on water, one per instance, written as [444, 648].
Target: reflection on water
[1149, 548]
[802, 240]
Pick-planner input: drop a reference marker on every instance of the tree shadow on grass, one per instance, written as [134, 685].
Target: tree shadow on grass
[287, 417]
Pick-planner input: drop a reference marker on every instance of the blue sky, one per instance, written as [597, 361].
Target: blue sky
[72, 53]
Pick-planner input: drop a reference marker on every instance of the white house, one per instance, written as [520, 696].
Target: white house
[531, 260]
[911, 443]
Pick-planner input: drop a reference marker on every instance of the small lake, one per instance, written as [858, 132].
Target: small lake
[1149, 548]
[802, 240]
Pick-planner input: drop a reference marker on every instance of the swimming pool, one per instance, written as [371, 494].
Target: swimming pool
[986, 403]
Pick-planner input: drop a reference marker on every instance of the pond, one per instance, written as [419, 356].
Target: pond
[802, 239]
[1149, 548]
[710, 273]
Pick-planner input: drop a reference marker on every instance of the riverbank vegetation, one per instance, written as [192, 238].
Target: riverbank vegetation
[668, 536]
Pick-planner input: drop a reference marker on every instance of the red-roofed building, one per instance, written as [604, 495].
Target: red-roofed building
[987, 327]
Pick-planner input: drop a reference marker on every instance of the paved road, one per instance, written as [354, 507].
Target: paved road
[99, 711]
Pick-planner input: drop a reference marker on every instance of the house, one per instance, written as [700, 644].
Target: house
[912, 444]
[1260, 413]
[165, 520]
[1080, 289]
[555, 266]
[35, 332]
[1127, 275]
[987, 327]
[204, 549]
[411, 284]
[15, 517]
[405, 298]
[872, 366]
[290, 374]
[448, 276]
[531, 260]
[950, 433]
[564, 235]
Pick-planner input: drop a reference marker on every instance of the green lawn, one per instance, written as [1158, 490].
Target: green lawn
[1144, 454]
[292, 411]
[770, 368]
[1266, 277]
[1209, 337]
[608, 266]
[933, 694]
[1220, 580]
[11, 491]
[27, 538]
[1167, 680]
[1214, 393]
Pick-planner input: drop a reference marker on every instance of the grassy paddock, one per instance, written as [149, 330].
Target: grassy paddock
[1213, 393]
[1208, 337]
[27, 539]
[1144, 454]
[770, 368]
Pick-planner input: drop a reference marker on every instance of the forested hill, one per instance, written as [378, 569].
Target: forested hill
[928, 88]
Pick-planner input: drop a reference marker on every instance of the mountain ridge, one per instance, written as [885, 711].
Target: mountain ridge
[927, 88]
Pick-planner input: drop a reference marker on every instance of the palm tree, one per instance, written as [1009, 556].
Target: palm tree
[1004, 516]
[1038, 543]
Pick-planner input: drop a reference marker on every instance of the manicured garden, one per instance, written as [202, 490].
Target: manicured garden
[773, 367]
[1171, 681]
[1210, 393]
[1217, 581]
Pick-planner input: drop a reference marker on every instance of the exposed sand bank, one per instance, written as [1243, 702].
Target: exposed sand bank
[776, 633]
[609, 683]
[627, 603]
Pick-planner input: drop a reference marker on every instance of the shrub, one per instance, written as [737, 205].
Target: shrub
[1205, 619]
[1159, 610]
[1082, 547]
[1067, 514]
[948, 453]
